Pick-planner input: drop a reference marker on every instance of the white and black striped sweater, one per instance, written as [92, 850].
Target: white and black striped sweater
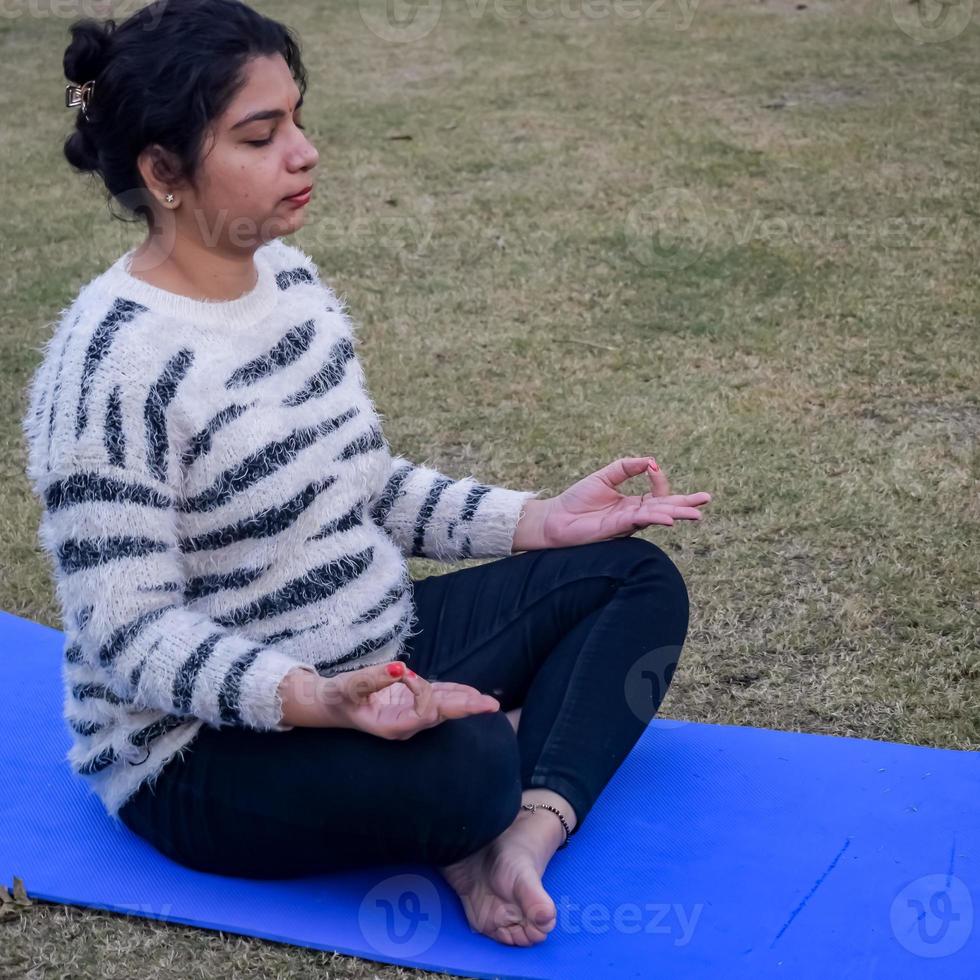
[220, 506]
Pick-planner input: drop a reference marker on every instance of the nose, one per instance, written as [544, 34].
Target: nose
[312, 153]
[307, 155]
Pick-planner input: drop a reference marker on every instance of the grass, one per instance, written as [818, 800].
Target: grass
[747, 246]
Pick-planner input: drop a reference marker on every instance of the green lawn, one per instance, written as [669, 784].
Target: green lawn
[739, 236]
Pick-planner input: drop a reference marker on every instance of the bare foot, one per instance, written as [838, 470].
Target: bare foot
[500, 885]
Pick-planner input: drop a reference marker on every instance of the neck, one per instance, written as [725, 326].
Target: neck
[172, 296]
[195, 270]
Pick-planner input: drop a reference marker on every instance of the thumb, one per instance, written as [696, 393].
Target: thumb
[364, 682]
[620, 470]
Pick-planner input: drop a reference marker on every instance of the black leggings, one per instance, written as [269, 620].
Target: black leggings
[585, 639]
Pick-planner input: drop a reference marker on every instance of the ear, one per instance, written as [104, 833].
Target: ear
[159, 169]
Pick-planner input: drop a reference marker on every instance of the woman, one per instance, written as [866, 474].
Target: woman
[229, 530]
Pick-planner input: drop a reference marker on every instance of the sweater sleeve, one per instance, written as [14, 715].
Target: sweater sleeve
[430, 515]
[426, 513]
[111, 536]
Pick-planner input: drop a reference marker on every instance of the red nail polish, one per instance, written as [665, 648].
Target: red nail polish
[654, 467]
[395, 669]
[412, 673]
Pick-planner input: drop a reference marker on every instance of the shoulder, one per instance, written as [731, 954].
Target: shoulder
[292, 265]
[67, 353]
[284, 256]
[97, 383]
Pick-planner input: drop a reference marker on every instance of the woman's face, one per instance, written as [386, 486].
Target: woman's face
[255, 155]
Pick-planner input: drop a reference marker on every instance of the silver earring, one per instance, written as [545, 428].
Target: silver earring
[170, 199]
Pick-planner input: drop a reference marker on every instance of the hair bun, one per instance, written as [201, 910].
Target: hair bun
[81, 151]
[88, 52]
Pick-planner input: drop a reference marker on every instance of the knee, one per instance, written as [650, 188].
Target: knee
[638, 556]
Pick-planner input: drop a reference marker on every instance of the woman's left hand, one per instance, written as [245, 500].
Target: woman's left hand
[594, 510]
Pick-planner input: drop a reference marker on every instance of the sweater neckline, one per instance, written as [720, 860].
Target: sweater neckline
[244, 311]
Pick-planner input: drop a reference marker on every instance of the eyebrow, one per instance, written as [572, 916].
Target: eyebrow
[264, 114]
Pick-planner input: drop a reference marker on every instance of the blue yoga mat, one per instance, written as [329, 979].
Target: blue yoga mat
[716, 851]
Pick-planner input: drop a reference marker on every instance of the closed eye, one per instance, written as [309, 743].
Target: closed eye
[269, 140]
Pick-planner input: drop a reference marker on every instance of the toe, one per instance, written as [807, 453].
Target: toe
[536, 904]
[542, 916]
[508, 915]
[533, 933]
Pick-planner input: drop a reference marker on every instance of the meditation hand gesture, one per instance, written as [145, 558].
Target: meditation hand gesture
[594, 510]
[372, 700]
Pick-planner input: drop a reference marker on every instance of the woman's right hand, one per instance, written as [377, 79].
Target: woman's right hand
[373, 701]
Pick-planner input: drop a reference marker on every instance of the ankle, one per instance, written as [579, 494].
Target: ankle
[549, 796]
[538, 808]
[545, 825]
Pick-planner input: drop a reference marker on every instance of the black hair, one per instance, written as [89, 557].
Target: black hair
[162, 76]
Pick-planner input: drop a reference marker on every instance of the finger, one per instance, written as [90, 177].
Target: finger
[639, 520]
[683, 499]
[451, 704]
[422, 690]
[675, 513]
[454, 686]
[359, 685]
[659, 483]
[687, 514]
[477, 700]
[622, 469]
[692, 499]
[461, 699]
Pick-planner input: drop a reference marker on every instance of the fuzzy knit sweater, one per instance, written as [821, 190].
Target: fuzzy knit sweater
[220, 506]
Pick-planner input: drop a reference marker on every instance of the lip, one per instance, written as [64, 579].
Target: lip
[300, 196]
